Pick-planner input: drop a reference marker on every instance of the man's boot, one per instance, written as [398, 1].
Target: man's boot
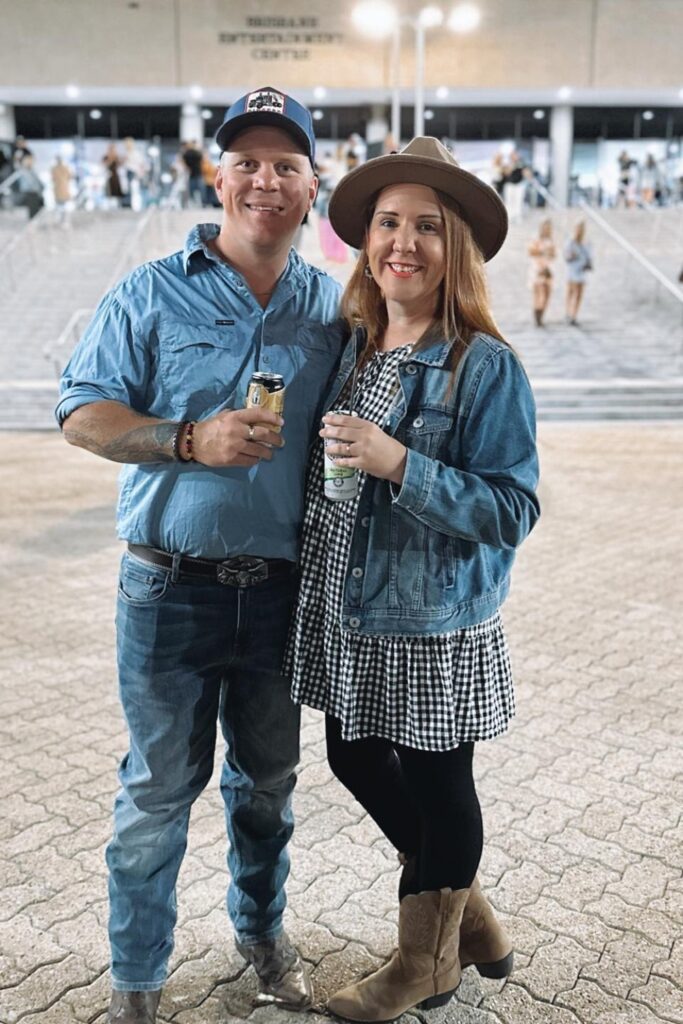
[282, 974]
[133, 1007]
[424, 971]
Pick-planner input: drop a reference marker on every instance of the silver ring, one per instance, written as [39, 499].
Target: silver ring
[250, 436]
[348, 447]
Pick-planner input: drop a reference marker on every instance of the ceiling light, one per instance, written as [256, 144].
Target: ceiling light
[564, 93]
[647, 115]
[464, 18]
[196, 92]
[539, 114]
[429, 115]
[96, 114]
[375, 18]
[320, 92]
[430, 17]
[207, 114]
[318, 115]
[442, 92]
[73, 92]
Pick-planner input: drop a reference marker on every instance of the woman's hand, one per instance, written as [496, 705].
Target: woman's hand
[364, 445]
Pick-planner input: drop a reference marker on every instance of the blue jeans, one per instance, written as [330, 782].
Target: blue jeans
[192, 654]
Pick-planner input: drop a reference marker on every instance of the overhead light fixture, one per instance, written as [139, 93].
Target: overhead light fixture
[96, 114]
[539, 114]
[196, 92]
[647, 115]
[375, 18]
[430, 17]
[318, 115]
[429, 115]
[464, 18]
[207, 114]
[442, 92]
[320, 92]
[564, 93]
[73, 92]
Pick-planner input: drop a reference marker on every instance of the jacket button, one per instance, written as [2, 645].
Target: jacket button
[411, 369]
[354, 623]
[365, 521]
[357, 572]
[419, 422]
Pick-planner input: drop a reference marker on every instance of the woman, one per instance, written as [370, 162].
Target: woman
[397, 635]
[542, 252]
[579, 262]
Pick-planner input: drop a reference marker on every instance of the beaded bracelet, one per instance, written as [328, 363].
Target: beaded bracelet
[188, 440]
[175, 444]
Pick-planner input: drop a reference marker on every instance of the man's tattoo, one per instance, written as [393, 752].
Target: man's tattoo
[151, 443]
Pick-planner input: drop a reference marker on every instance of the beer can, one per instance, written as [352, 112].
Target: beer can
[341, 482]
[267, 391]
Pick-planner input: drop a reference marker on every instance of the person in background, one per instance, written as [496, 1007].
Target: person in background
[112, 165]
[542, 253]
[29, 187]
[579, 260]
[191, 156]
[61, 187]
[210, 507]
[650, 181]
[397, 635]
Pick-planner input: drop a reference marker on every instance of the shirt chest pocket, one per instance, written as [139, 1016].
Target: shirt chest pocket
[200, 365]
[428, 430]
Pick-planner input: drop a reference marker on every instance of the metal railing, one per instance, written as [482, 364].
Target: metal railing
[69, 337]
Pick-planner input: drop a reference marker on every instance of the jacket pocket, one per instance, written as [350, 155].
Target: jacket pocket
[427, 430]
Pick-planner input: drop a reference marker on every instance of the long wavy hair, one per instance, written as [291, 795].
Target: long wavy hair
[463, 303]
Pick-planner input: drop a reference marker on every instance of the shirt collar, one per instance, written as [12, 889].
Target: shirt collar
[198, 256]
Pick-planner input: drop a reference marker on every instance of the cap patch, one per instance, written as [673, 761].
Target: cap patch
[265, 100]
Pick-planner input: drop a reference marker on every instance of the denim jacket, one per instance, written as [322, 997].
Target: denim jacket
[434, 554]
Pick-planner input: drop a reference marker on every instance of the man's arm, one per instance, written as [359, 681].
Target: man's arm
[239, 437]
[116, 432]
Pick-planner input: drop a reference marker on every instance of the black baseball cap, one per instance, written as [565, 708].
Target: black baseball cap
[269, 106]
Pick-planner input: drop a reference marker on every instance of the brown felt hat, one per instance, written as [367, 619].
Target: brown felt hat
[424, 161]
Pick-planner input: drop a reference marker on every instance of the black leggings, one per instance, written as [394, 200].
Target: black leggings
[424, 801]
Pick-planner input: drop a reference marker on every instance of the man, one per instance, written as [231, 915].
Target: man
[211, 513]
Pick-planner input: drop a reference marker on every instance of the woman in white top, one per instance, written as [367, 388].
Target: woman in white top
[542, 252]
[578, 256]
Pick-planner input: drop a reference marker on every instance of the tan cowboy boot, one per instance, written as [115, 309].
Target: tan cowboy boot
[483, 941]
[425, 969]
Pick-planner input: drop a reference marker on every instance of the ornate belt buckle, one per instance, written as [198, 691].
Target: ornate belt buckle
[242, 571]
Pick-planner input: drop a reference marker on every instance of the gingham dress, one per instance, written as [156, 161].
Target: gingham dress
[426, 692]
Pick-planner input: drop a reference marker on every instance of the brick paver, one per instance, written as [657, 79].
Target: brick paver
[582, 799]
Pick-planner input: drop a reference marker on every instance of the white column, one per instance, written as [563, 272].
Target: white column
[376, 131]
[561, 140]
[396, 85]
[191, 124]
[419, 123]
[8, 127]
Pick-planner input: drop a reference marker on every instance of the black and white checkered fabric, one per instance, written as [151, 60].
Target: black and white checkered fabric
[426, 692]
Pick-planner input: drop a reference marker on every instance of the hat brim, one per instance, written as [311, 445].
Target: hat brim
[227, 132]
[477, 203]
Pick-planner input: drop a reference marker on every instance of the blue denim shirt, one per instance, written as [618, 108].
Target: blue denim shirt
[435, 553]
[179, 339]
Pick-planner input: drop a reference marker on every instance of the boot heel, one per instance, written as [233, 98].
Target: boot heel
[434, 1001]
[499, 969]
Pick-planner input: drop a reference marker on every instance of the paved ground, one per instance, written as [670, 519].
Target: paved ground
[582, 799]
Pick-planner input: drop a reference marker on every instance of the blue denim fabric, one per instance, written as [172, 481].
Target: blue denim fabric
[179, 339]
[435, 554]
[191, 655]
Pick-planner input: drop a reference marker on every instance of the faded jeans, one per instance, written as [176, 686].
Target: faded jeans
[191, 655]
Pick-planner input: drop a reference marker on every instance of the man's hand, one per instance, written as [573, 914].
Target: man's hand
[237, 437]
[365, 446]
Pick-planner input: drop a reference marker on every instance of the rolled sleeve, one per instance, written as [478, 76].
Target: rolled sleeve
[110, 362]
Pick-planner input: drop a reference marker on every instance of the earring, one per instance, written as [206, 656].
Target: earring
[366, 271]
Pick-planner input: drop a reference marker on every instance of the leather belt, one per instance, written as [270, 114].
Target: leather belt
[239, 571]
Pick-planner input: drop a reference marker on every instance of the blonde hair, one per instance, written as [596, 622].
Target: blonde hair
[463, 304]
[545, 228]
[579, 231]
